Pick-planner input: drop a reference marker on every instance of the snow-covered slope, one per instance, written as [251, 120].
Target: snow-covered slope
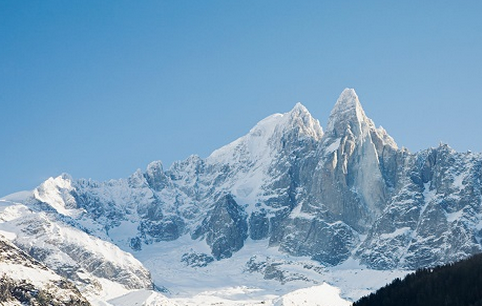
[323, 295]
[98, 268]
[25, 281]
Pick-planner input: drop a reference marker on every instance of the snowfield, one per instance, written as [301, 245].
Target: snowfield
[324, 295]
[228, 282]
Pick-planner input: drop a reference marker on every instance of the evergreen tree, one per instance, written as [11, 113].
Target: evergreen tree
[449, 285]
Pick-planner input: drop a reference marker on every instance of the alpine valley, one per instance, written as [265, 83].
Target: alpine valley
[289, 214]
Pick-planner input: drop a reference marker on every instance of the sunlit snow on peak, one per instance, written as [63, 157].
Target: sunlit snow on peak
[260, 141]
[56, 192]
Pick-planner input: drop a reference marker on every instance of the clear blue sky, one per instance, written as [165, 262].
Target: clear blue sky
[98, 89]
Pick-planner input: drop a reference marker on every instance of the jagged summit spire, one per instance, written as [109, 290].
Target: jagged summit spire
[348, 104]
[348, 93]
[347, 112]
[348, 118]
[301, 117]
[299, 108]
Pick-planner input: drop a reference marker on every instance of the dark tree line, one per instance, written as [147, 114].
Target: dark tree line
[454, 284]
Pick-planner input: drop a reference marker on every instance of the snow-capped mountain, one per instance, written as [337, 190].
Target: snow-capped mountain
[285, 193]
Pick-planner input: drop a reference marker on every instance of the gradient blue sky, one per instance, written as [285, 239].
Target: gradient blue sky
[98, 89]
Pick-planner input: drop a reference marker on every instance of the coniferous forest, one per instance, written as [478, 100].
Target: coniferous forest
[454, 284]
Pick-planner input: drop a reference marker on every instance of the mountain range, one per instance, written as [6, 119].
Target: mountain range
[289, 202]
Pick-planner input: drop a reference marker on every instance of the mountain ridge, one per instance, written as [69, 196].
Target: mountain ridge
[346, 193]
[269, 173]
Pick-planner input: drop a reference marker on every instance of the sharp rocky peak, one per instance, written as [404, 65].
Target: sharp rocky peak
[347, 114]
[299, 110]
[300, 117]
[267, 133]
[348, 101]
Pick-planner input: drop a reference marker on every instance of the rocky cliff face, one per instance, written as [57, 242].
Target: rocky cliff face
[225, 228]
[347, 192]
[26, 281]
[434, 215]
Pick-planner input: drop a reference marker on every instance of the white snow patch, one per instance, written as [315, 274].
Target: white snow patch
[333, 147]
[142, 298]
[122, 233]
[429, 196]
[17, 197]
[451, 217]
[8, 235]
[296, 213]
[324, 295]
[110, 290]
[396, 233]
[458, 181]
[38, 277]
[56, 192]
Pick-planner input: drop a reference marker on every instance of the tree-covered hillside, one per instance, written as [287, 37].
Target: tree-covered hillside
[454, 284]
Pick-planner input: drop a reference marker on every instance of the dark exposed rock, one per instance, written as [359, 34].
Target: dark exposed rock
[196, 259]
[258, 225]
[225, 228]
[166, 229]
